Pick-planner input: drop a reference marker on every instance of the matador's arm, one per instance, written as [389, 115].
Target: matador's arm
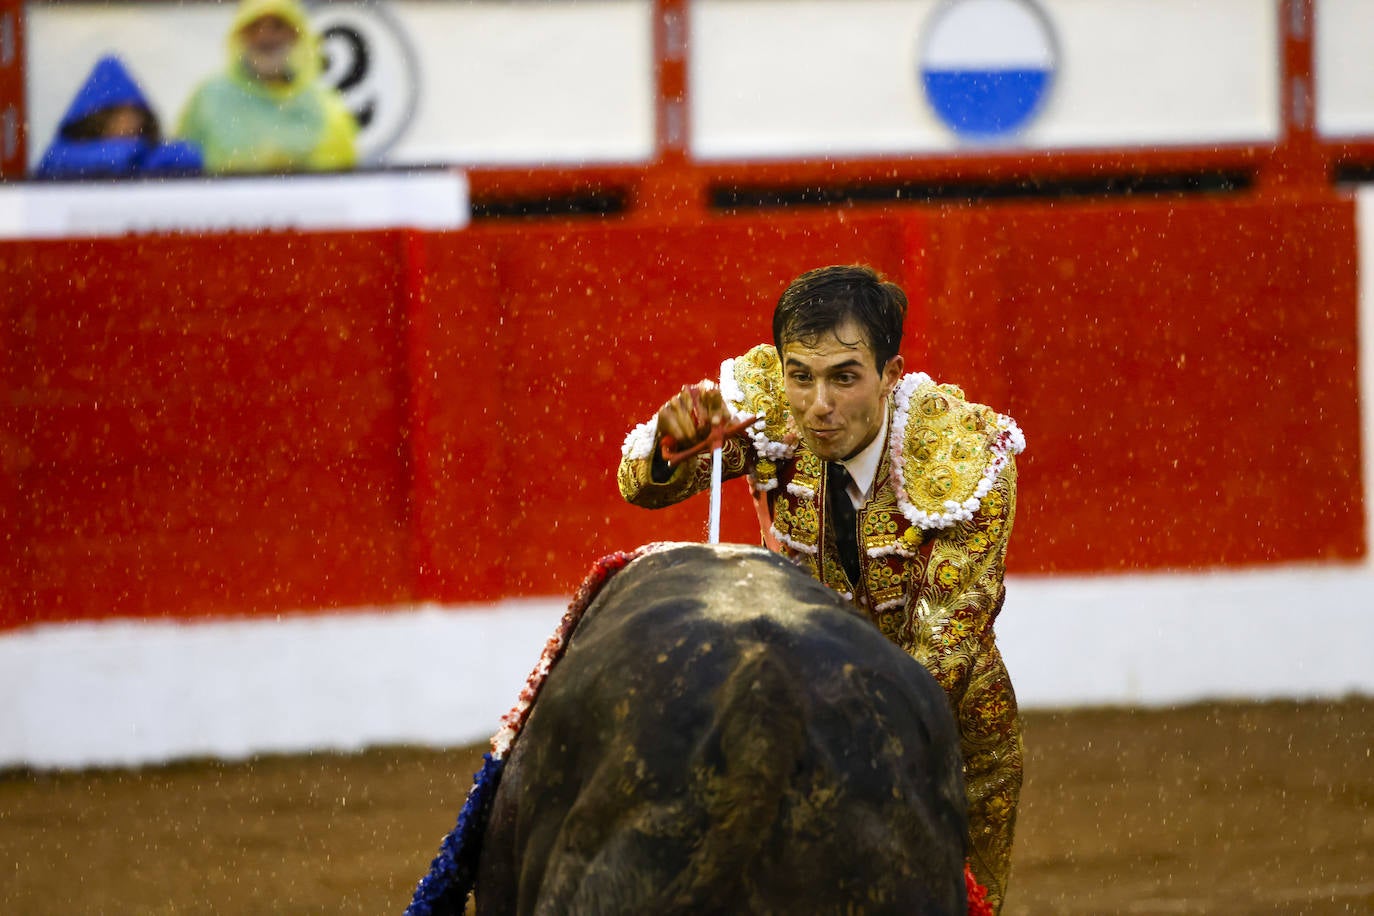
[646, 480]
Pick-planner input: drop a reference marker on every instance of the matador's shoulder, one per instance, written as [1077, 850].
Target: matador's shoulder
[752, 386]
[946, 451]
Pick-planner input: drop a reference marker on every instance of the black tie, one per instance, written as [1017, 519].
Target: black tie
[842, 520]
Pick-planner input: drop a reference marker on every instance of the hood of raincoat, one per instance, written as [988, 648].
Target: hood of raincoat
[304, 58]
[108, 85]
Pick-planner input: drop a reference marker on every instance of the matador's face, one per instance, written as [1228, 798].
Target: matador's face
[835, 390]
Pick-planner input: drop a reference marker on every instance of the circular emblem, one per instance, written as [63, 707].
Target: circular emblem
[924, 441]
[987, 66]
[939, 481]
[933, 405]
[369, 60]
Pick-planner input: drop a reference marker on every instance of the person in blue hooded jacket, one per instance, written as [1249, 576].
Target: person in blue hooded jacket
[110, 131]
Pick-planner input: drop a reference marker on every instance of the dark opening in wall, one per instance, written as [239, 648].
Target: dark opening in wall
[582, 203]
[1120, 185]
[1353, 173]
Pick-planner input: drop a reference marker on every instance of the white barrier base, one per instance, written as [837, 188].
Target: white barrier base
[433, 200]
[144, 692]
[1151, 640]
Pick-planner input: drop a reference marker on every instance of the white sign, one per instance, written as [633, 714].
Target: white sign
[798, 78]
[421, 200]
[1344, 53]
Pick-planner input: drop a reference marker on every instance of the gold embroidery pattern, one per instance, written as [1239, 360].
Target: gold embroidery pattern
[890, 623]
[950, 632]
[808, 471]
[754, 387]
[963, 582]
[886, 583]
[947, 447]
[758, 374]
[990, 738]
[835, 575]
[797, 521]
[882, 521]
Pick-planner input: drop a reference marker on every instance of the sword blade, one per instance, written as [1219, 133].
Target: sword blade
[717, 465]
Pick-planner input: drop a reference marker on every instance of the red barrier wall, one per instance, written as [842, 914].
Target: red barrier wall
[1186, 374]
[550, 343]
[256, 424]
[206, 426]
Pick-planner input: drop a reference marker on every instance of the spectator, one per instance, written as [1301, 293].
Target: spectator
[269, 112]
[110, 131]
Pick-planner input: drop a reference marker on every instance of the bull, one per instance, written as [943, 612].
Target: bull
[724, 734]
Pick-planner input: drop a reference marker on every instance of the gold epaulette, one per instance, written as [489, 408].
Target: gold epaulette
[752, 385]
[946, 451]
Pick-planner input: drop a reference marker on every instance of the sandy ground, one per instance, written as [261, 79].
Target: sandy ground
[1237, 808]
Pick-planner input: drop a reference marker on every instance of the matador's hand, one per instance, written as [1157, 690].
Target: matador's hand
[688, 417]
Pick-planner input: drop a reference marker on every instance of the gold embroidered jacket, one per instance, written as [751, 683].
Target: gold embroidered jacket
[933, 540]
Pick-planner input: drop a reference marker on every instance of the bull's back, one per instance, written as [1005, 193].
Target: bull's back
[725, 734]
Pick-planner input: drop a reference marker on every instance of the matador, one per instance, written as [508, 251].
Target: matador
[890, 488]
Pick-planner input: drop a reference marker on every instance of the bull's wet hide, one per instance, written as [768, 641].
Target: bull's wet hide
[724, 734]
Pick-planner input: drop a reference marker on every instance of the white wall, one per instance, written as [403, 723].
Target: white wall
[126, 693]
[531, 82]
[1344, 67]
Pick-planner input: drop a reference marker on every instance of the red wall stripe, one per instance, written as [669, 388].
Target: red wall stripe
[13, 55]
[259, 424]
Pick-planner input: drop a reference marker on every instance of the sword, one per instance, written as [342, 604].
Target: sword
[713, 527]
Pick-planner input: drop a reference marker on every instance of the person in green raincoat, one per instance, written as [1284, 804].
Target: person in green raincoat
[269, 112]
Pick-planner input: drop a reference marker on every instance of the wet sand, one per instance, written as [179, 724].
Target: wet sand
[1234, 808]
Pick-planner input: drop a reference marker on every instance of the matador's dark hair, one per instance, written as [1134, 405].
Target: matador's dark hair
[821, 300]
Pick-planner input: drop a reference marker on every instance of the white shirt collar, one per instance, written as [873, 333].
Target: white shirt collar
[863, 467]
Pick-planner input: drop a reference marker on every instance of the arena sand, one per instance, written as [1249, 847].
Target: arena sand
[1235, 808]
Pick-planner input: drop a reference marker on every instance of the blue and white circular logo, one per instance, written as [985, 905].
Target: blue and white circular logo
[987, 66]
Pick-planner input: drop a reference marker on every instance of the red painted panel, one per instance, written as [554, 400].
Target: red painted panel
[609, 323]
[1186, 376]
[130, 345]
[12, 67]
[462, 471]
[267, 423]
[545, 345]
[208, 425]
[13, 446]
[191, 540]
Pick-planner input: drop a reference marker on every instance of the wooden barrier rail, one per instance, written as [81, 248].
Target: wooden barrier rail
[266, 423]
